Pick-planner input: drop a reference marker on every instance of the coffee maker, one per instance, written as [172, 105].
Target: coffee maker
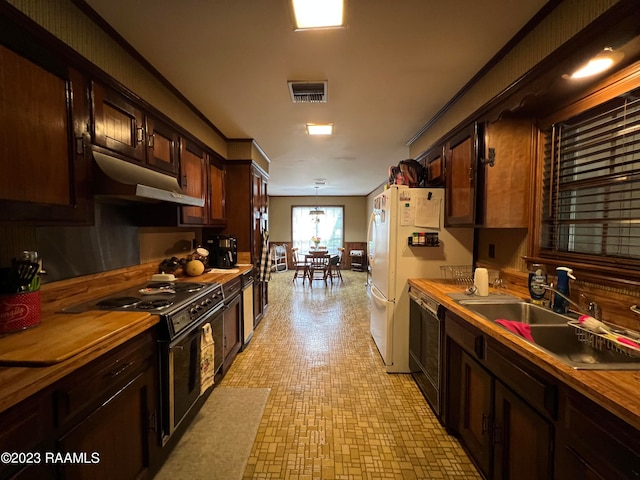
[223, 251]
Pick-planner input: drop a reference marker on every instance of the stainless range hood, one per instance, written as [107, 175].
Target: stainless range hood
[121, 179]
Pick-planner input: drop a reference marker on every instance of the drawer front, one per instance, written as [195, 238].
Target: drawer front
[468, 337]
[539, 394]
[80, 391]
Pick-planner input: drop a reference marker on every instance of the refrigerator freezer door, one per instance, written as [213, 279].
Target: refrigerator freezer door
[382, 243]
[381, 324]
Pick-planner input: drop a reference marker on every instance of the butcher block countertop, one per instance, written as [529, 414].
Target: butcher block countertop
[616, 391]
[35, 358]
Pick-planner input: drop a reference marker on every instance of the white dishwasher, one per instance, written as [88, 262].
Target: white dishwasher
[247, 308]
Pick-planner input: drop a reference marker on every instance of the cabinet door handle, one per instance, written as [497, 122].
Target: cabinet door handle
[485, 423]
[139, 135]
[152, 421]
[79, 145]
[118, 371]
[184, 181]
[497, 434]
[470, 173]
[152, 138]
[478, 346]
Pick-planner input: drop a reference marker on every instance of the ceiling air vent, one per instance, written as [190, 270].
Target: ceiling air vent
[308, 92]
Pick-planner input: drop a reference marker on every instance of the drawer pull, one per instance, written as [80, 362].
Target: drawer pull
[118, 371]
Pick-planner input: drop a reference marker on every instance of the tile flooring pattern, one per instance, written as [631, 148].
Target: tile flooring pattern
[333, 411]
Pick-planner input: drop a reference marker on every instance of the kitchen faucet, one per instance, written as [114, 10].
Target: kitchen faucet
[593, 310]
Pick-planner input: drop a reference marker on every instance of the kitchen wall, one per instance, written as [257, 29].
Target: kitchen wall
[356, 217]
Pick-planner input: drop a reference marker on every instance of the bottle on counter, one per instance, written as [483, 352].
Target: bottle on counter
[560, 305]
[537, 280]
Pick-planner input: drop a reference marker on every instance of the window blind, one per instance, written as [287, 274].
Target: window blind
[591, 184]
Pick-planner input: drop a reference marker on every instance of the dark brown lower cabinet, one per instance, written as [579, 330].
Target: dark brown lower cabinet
[114, 439]
[501, 411]
[522, 439]
[593, 443]
[99, 422]
[475, 412]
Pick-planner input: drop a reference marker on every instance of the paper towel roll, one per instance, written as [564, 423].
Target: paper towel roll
[481, 282]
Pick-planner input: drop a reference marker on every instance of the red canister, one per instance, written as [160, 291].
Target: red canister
[19, 311]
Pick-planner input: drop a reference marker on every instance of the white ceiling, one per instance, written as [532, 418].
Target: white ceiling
[394, 67]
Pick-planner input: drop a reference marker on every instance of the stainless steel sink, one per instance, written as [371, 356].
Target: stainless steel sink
[520, 311]
[552, 335]
[561, 342]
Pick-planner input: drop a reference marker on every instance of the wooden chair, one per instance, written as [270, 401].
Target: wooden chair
[335, 265]
[318, 267]
[300, 267]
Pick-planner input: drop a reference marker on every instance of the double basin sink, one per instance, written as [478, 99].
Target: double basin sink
[551, 333]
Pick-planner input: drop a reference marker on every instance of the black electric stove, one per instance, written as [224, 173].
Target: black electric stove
[179, 304]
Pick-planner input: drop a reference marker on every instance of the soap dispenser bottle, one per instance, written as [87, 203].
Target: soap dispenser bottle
[563, 274]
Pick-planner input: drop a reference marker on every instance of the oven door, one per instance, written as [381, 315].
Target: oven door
[181, 382]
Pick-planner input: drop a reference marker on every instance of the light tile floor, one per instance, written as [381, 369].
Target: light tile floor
[333, 411]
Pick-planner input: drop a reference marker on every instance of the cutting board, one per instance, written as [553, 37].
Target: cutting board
[61, 336]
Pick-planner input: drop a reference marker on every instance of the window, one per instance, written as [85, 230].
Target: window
[328, 227]
[591, 185]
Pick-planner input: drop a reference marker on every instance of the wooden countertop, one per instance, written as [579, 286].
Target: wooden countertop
[615, 390]
[35, 358]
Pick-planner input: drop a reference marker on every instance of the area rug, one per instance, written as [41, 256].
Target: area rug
[218, 442]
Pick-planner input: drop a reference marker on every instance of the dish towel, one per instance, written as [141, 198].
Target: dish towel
[206, 358]
[519, 328]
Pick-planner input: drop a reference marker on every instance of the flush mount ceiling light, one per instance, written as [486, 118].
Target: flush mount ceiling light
[319, 129]
[604, 60]
[310, 14]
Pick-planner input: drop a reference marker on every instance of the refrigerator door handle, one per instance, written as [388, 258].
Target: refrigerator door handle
[370, 254]
[377, 294]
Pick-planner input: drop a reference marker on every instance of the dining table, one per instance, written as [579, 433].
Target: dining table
[320, 262]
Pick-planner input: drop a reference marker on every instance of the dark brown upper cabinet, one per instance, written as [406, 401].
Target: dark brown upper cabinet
[461, 154]
[433, 163]
[217, 204]
[505, 173]
[123, 127]
[43, 114]
[193, 181]
[117, 123]
[163, 145]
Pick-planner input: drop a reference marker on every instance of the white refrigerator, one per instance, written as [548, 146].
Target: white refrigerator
[398, 212]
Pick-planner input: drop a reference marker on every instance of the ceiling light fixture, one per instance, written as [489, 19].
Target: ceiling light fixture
[310, 14]
[316, 211]
[319, 129]
[598, 64]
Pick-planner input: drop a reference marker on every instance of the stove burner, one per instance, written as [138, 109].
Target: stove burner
[117, 302]
[154, 304]
[188, 287]
[178, 287]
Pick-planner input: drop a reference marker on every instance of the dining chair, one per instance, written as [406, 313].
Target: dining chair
[300, 267]
[318, 266]
[335, 265]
